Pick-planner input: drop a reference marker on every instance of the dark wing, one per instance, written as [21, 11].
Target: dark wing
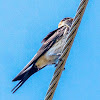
[49, 35]
[49, 41]
[30, 68]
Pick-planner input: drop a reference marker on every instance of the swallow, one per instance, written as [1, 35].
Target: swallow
[49, 53]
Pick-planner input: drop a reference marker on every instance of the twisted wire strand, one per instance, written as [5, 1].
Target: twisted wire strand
[69, 41]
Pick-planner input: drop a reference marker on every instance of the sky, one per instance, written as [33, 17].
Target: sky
[23, 25]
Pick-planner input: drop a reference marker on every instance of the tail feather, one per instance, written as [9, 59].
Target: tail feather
[23, 77]
[17, 86]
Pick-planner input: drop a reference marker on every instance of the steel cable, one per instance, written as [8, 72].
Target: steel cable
[69, 41]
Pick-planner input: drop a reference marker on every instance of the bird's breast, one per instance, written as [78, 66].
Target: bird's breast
[52, 54]
[56, 48]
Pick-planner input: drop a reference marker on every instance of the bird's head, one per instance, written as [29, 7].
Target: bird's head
[65, 21]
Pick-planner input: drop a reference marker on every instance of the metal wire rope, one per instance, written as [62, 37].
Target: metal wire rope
[69, 41]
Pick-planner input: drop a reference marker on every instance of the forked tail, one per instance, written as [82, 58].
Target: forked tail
[23, 77]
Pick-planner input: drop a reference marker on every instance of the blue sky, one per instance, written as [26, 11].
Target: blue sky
[23, 24]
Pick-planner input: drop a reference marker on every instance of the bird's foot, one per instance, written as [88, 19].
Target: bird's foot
[56, 65]
[60, 59]
[64, 69]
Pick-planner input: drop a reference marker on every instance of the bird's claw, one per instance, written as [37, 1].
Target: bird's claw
[64, 69]
[60, 59]
[56, 65]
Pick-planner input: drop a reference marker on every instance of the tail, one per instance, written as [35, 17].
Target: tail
[23, 77]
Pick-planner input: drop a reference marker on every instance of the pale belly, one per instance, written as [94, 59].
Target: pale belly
[52, 55]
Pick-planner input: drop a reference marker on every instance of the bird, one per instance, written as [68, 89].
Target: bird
[49, 53]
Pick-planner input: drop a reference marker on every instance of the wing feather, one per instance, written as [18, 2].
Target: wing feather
[50, 34]
[49, 41]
